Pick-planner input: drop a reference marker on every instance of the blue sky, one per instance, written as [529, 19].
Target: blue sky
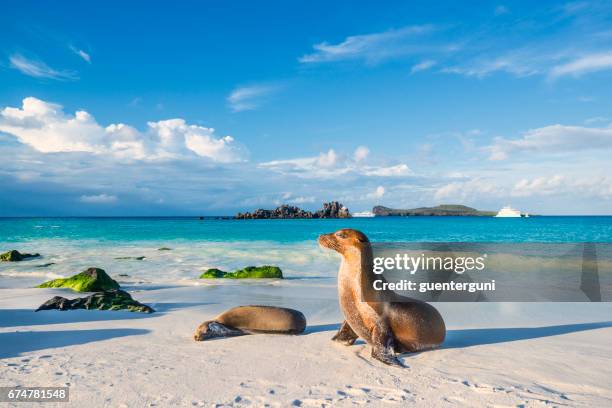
[213, 108]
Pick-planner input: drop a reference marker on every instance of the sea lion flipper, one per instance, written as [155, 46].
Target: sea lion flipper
[383, 344]
[345, 335]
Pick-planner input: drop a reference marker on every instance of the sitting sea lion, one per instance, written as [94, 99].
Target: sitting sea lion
[389, 327]
[252, 319]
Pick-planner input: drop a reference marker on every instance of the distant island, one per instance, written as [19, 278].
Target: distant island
[439, 210]
[333, 209]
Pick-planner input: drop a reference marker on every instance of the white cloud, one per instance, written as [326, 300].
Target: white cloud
[596, 186]
[318, 166]
[378, 193]
[520, 63]
[501, 9]
[391, 171]
[249, 97]
[98, 199]
[583, 65]
[85, 56]
[553, 139]
[370, 47]
[330, 165]
[538, 185]
[466, 190]
[422, 66]
[361, 153]
[38, 69]
[300, 200]
[46, 128]
[597, 119]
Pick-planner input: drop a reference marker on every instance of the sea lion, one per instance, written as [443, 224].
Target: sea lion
[243, 320]
[389, 327]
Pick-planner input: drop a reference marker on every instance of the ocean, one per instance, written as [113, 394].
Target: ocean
[71, 245]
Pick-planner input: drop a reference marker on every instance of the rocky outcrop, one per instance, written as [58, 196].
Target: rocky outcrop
[108, 300]
[440, 210]
[250, 272]
[332, 209]
[15, 256]
[90, 280]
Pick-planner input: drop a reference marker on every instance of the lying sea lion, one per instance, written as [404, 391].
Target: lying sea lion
[243, 320]
[389, 327]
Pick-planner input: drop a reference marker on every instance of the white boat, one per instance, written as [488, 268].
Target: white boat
[508, 212]
[364, 214]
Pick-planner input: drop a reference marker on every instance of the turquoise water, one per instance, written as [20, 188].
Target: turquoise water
[70, 245]
[466, 229]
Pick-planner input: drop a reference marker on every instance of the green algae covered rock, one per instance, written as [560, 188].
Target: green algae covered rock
[108, 300]
[250, 272]
[90, 280]
[213, 273]
[164, 249]
[15, 256]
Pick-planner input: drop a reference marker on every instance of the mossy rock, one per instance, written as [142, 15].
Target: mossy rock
[15, 256]
[250, 272]
[107, 300]
[90, 280]
[213, 273]
[164, 249]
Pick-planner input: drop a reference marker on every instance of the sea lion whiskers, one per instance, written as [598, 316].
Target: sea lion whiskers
[344, 240]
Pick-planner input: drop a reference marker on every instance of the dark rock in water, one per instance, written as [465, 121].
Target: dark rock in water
[213, 273]
[45, 265]
[90, 280]
[108, 300]
[15, 256]
[136, 258]
[332, 209]
[250, 272]
[440, 210]
[164, 249]
[124, 275]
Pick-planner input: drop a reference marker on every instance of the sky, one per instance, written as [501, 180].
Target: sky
[209, 108]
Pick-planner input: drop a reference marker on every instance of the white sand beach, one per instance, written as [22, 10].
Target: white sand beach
[496, 354]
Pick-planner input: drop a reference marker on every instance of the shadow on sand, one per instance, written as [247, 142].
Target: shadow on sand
[316, 328]
[28, 317]
[478, 337]
[16, 343]
[163, 307]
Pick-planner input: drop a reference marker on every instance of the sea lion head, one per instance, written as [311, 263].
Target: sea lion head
[211, 329]
[344, 240]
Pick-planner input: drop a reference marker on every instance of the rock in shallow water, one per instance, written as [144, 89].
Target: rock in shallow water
[108, 300]
[250, 272]
[90, 280]
[15, 256]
